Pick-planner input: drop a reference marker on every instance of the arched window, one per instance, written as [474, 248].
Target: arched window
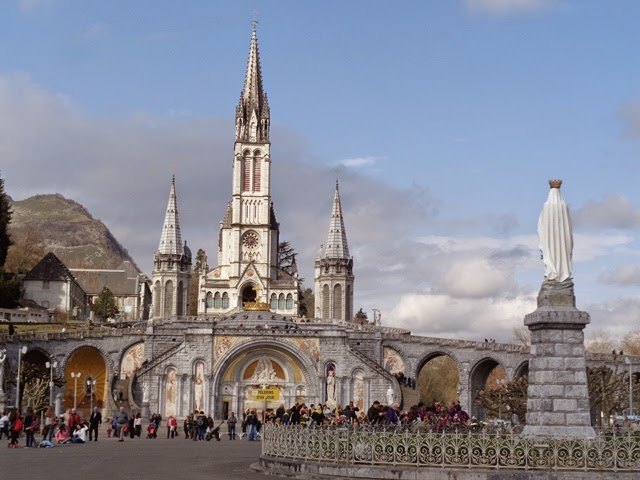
[217, 300]
[337, 302]
[157, 293]
[168, 299]
[209, 302]
[225, 300]
[274, 301]
[281, 301]
[246, 172]
[348, 309]
[256, 171]
[289, 302]
[180, 300]
[325, 301]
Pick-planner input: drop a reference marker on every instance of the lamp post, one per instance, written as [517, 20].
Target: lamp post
[75, 376]
[628, 360]
[21, 351]
[51, 366]
[91, 384]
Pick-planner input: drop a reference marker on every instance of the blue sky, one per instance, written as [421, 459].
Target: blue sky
[447, 117]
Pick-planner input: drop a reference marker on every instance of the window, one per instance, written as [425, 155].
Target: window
[256, 172]
[337, 302]
[225, 300]
[217, 300]
[274, 301]
[289, 302]
[209, 301]
[281, 301]
[246, 173]
[325, 302]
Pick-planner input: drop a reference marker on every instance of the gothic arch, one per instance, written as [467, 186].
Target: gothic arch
[430, 356]
[478, 376]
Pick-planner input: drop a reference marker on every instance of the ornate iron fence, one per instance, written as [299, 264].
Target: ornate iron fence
[366, 446]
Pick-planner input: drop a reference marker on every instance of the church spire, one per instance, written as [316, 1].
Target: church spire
[252, 112]
[171, 239]
[336, 246]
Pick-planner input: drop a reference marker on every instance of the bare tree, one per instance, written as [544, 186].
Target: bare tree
[600, 341]
[522, 336]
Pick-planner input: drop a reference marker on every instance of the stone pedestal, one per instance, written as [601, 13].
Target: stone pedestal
[558, 397]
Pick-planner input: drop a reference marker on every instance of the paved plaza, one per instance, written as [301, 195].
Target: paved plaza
[141, 458]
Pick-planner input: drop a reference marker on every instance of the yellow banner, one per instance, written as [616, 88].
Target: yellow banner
[267, 394]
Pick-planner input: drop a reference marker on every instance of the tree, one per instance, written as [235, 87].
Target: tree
[105, 304]
[600, 341]
[438, 380]
[630, 344]
[198, 269]
[27, 250]
[608, 392]
[510, 397]
[307, 302]
[522, 336]
[5, 219]
[9, 290]
[286, 257]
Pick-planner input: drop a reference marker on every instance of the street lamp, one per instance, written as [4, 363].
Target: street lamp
[51, 366]
[75, 376]
[628, 360]
[91, 384]
[501, 383]
[21, 351]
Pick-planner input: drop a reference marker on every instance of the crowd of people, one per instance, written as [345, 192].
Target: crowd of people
[72, 428]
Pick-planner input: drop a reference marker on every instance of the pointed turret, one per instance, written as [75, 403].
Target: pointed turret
[336, 246]
[252, 112]
[171, 265]
[334, 270]
[171, 238]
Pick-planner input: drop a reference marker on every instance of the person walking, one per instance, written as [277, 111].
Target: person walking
[231, 422]
[95, 420]
[122, 419]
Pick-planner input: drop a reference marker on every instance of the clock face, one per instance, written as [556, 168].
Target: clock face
[250, 240]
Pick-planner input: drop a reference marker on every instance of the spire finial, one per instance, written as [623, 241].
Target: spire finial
[254, 21]
[338, 170]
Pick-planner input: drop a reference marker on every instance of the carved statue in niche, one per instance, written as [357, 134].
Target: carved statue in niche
[264, 371]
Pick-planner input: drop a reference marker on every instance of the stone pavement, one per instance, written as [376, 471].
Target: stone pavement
[141, 458]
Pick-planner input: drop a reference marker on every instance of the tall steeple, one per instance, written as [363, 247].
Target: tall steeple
[252, 112]
[171, 238]
[171, 265]
[334, 270]
[336, 246]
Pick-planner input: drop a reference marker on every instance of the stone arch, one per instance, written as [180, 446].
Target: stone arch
[180, 299]
[170, 387]
[358, 388]
[167, 311]
[522, 370]
[337, 302]
[249, 293]
[157, 293]
[429, 383]
[33, 365]
[326, 302]
[91, 362]
[478, 377]
[257, 347]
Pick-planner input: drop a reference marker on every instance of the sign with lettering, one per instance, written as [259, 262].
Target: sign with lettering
[267, 394]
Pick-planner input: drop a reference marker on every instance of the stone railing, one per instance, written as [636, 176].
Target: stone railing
[366, 446]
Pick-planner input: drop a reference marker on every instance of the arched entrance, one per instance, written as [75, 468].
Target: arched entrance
[34, 380]
[262, 377]
[438, 380]
[249, 294]
[89, 363]
[487, 373]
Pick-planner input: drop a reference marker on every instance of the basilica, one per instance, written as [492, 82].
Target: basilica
[248, 346]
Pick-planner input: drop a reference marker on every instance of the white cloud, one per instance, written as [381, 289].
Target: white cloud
[624, 275]
[613, 211]
[444, 316]
[32, 5]
[357, 162]
[617, 316]
[508, 7]
[476, 278]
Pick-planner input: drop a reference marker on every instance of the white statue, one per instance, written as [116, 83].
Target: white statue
[556, 235]
[3, 357]
[331, 387]
[264, 371]
[391, 396]
[145, 392]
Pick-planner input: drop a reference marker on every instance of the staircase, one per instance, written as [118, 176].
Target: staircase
[159, 359]
[410, 397]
